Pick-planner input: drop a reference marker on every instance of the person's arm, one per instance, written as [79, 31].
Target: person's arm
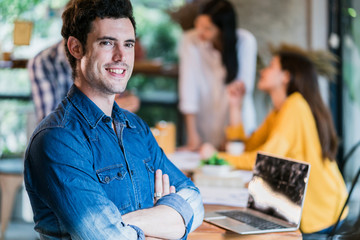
[170, 218]
[257, 138]
[235, 130]
[50, 76]
[260, 140]
[59, 170]
[160, 222]
[236, 91]
[276, 144]
[247, 54]
[247, 57]
[277, 135]
[165, 221]
[40, 86]
[193, 138]
[128, 101]
[188, 89]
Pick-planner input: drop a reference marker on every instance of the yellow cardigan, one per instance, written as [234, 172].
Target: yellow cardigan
[291, 132]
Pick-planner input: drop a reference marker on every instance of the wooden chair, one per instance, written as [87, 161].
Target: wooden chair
[11, 178]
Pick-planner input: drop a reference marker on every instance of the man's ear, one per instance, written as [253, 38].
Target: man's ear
[75, 47]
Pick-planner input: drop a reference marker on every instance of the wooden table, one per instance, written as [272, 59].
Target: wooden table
[208, 231]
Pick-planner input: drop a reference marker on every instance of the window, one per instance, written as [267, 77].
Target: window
[350, 72]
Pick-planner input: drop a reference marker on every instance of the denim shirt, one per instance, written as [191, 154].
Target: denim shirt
[82, 176]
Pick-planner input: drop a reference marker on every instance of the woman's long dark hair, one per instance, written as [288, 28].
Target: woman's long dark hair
[304, 79]
[223, 15]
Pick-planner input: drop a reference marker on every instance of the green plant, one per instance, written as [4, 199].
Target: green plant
[157, 33]
[214, 160]
[12, 9]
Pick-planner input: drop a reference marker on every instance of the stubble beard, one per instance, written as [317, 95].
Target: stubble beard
[105, 85]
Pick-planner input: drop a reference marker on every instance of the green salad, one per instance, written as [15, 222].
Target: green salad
[214, 160]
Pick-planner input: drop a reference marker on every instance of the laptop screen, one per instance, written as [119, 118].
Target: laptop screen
[278, 187]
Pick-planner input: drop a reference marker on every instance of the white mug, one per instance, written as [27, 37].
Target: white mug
[235, 147]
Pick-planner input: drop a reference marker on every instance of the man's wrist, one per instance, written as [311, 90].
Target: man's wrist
[179, 204]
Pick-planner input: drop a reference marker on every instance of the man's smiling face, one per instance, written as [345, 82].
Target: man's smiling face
[109, 59]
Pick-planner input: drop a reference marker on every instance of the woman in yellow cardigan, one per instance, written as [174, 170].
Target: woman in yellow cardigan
[298, 127]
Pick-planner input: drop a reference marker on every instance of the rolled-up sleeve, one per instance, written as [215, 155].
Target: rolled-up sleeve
[140, 233]
[188, 203]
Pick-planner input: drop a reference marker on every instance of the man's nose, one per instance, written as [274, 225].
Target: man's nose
[118, 55]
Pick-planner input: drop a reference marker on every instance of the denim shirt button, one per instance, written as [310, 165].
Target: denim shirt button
[107, 179]
[106, 119]
[119, 174]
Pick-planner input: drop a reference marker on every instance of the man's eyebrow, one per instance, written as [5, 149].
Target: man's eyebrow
[130, 40]
[107, 38]
[114, 39]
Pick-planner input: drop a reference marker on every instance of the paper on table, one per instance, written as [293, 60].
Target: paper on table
[236, 197]
[225, 191]
[244, 174]
[230, 196]
[185, 160]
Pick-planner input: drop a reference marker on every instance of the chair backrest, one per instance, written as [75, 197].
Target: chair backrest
[347, 156]
[354, 230]
[350, 229]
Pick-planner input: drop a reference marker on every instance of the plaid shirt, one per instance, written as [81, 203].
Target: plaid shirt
[50, 75]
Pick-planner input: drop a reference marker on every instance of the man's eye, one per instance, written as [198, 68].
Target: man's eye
[106, 43]
[129, 45]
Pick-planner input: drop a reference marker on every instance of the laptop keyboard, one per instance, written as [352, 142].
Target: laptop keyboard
[251, 220]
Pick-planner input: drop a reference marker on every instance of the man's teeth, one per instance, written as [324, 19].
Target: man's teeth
[117, 71]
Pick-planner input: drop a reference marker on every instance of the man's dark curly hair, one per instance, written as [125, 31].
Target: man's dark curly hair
[79, 15]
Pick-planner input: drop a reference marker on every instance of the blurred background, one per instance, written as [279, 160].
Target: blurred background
[312, 24]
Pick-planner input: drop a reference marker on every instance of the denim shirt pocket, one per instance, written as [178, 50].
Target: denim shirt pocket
[107, 175]
[151, 173]
[115, 182]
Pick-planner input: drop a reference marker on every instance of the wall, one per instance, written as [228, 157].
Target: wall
[273, 21]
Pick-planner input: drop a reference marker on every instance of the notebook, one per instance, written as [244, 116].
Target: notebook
[276, 197]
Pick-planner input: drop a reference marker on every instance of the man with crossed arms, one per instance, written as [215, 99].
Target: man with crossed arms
[92, 169]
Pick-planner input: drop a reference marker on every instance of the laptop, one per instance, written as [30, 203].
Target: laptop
[276, 197]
